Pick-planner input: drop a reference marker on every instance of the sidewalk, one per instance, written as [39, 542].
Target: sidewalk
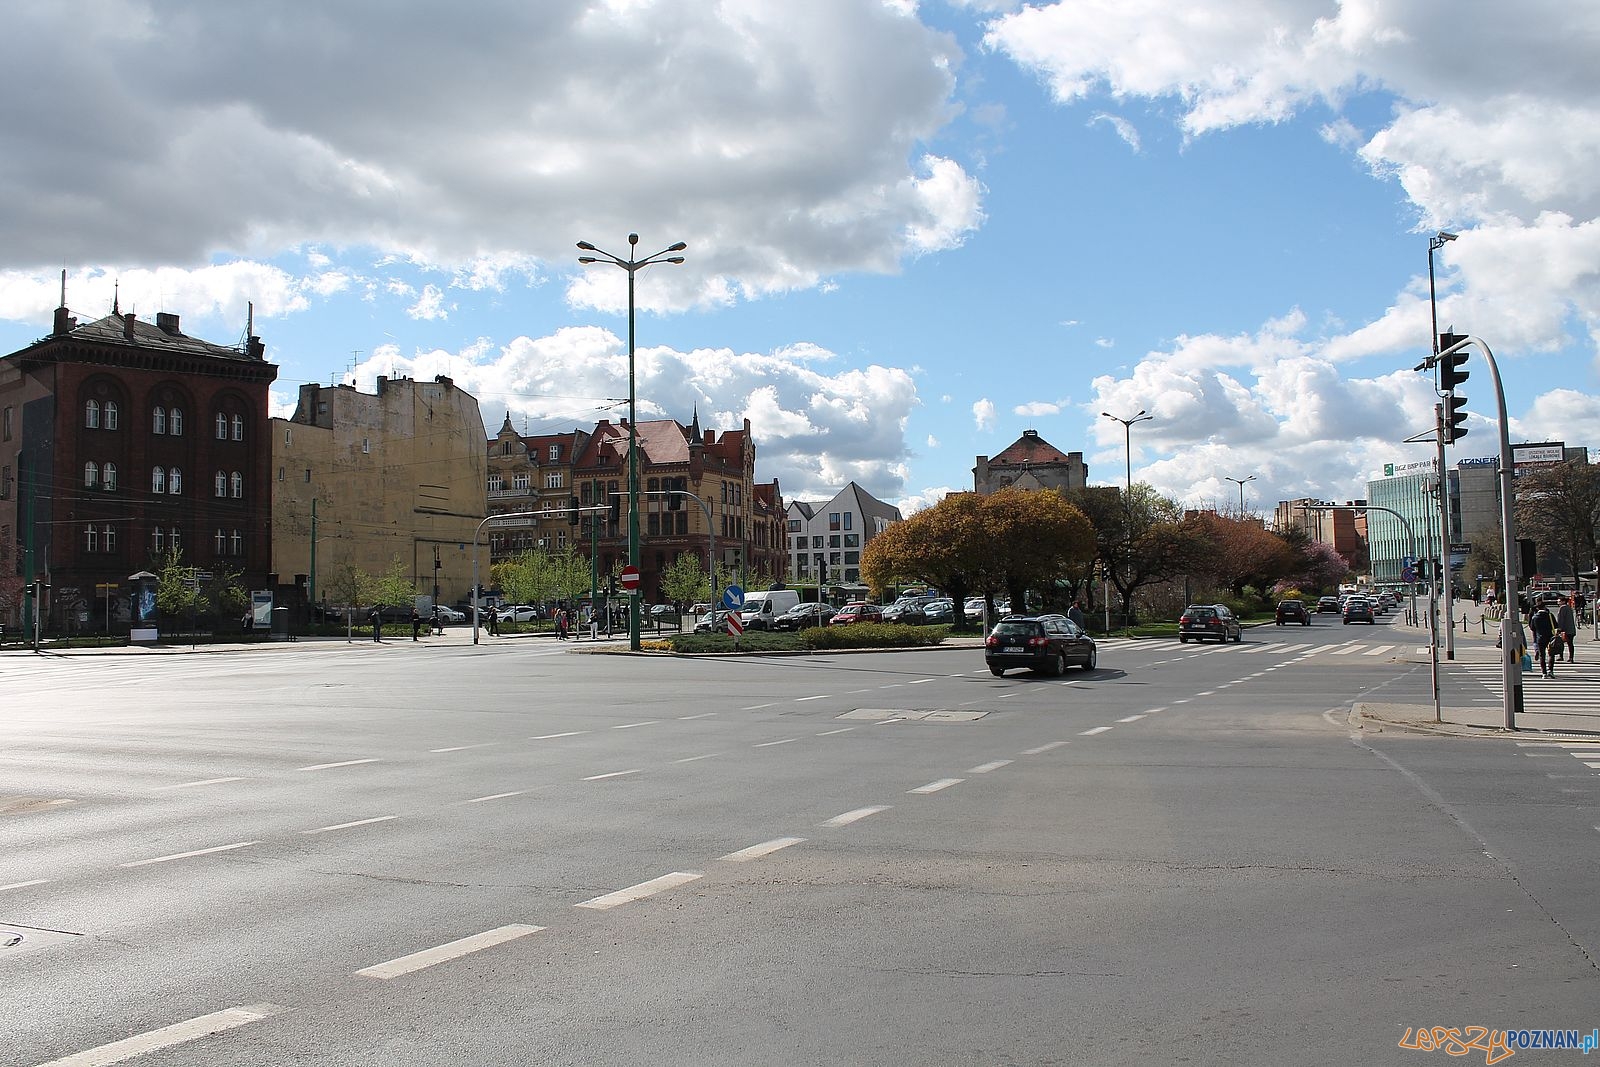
[1566, 706]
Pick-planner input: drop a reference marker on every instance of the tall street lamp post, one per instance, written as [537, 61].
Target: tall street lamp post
[632, 266]
[1127, 498]
[1444, 575]
[1436, 242]
[1240, 483]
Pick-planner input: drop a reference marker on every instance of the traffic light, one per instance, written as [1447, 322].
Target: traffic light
[822, 568]
[674, 501]
[1455, 417]
[1528, 557]
[616, 509]
[572, 511]
[1451, 373]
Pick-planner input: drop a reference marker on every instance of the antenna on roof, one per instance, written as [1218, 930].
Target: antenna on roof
[116, 297]
[63, 287]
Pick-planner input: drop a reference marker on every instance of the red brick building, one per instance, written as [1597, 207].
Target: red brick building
[120, 439]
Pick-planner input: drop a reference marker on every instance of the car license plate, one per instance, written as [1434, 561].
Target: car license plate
[1012, 648]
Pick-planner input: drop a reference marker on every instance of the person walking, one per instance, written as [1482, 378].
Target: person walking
[561, 624]
[494, 622]
[1566, 627]
[1543, 625]
[1075, 614]
[416, 622]
[376, 618]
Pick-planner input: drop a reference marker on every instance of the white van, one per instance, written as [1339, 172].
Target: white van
[761, 608]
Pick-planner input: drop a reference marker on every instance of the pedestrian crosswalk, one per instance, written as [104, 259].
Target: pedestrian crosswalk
[1575, 690]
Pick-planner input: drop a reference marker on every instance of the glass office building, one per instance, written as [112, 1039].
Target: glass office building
[1411, 491]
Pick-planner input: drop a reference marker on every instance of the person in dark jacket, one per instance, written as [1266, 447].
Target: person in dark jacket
[376, 618]
[1543, 625]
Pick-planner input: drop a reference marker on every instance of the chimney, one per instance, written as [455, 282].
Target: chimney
[167, 323]
[255, 349]
[127, 325]
[65, 323]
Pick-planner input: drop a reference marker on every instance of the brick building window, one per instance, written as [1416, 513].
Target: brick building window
[158, 419]
[237, 485]
[222, 430]
[158, 484]
[111, 414]
[91, 475]
[91, 414]
[174, 482]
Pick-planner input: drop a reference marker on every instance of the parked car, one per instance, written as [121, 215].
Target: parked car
[973, 609]
[1048, 644]
[802, 616]
[715, 621]
[1328, 605]
[1202, 621]
[1359, 609]
[939, 610]
[1292, 611]
[857, 611]
[449, 614]
[908, 612]
[518, 613]
[663, 611]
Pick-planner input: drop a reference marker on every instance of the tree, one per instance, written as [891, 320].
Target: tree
[1239, 553]
[1321, 567]
[178, 593]
[1140, 537]
[685, 580]
[1559, 506]
[394, 586]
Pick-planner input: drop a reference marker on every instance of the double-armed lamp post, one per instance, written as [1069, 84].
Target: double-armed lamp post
[632, 266]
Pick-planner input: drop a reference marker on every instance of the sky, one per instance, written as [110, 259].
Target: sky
[913, 229]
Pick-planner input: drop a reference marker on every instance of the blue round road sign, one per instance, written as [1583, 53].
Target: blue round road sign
[733, 598]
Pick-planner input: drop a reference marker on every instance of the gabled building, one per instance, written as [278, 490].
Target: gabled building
[121, 439]
[1030, 462]
[825, 540]
[531, 475]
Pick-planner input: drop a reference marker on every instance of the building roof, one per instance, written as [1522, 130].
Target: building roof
[163, 335]
[1030, 448]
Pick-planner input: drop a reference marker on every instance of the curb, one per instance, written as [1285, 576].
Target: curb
[1364, 716]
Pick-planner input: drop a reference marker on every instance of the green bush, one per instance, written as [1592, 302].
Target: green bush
[752, 641]
[873, 635]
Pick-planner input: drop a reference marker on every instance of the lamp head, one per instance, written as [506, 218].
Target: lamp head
[679, 247]
[633, 238]
[586, 246]
[1446, 236]
[674, 259]
[587, 259]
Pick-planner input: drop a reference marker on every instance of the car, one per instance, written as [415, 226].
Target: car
[1201, 621]
[856, 611]
[712, 622]
[973, 608]
[449, 614]
[939, 610]
[1048, 645]
[519, 613]
[803, 616]
[663, 611]
[1328, 605]
[908, 612]
[1359, 609]
[1292, 611]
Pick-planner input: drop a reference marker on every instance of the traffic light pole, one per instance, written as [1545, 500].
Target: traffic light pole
[1445, 573]
[711, 544]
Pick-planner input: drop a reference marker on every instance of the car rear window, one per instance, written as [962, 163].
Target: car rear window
[1017, 629]
[1201, 613]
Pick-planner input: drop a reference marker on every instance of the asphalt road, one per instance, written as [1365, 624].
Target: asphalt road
[516, 854]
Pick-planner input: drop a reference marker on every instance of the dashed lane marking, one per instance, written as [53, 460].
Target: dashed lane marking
[769, 744]
[1131, 718]
[451, 950]
[855, 816]
[640, 891]
[612, 774]
[819, 696]
[169, 1036]
[702, 715]
[1094, 730]
[463, 748]
[766, 848]
[552, 737]
[203, 781]
[934, 787]
[631, 725]
[992, 765]
[695, 759]
[840, 730]
[495, 796]
[756, 707]
[342, 763]
[187, 855]
[1044, 748]
[24, 885]
[348, 825]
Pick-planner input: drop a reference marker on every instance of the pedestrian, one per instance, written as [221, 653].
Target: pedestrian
[1075, 614]
[561, 624]
[494, 622]
[376, 619]
[416, 622]
[1543, 625]
[1566, 626]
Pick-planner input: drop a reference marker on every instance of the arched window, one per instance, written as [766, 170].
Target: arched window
[109, 537]
[108, 478]
[111, 414]
[172, 537]
[175, 422]
[174, 482]
[158, 539]
[222, 426]
[222, 483]
[220, 541]
[91, 539]
[238, 427]
[238, 485]
[158, 480]
[158, 420]
[237, 544]
[91, 414]
[91, 475]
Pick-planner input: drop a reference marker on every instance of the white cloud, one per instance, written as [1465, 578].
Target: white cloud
[1105, 342]
[911, 504]
[983, 412]
[1036, 408]
[430, 305]
[1124, 129]
[933, 442]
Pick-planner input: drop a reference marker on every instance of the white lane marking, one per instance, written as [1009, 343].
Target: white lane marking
[348, 825]
[692, 759]
[1095, 730]
[1044, 748]
[203, 781]
[186, 855]
[450, 950]
[169, 1036]
[613, 774]
[769, 744]
[463, 748]
[496, 796]
[24, 885]
[855, 816]
[702, 715]
[919, 681]
[756, 707]
[1348, 650]
[1380, 650]
[840, 730]
[343, 763]
[853, 692]
[934, 787]
[1003, 696]
[552, 737]
[1133, 718]
[1588, 764]
[992, 765]
[892, 685]
[820, 696]
[640, 891]
[1183, 700]
[766, 848]
[631, 725]
[1207, 693]
[1153, 711]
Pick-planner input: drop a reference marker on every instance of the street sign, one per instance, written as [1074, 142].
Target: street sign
[733, 598]
[735, 624]
[630, 579]
[1408, 569]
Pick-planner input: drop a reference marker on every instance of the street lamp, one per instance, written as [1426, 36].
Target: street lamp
[632, 266]
[1436, 242]
[1127, 439]
[1240, 482]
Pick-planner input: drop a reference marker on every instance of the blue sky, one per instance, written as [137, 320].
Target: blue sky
[914, 229]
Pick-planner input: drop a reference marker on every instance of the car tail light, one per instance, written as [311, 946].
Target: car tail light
[993, 642]
[1037, 642]
[1183, 621]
